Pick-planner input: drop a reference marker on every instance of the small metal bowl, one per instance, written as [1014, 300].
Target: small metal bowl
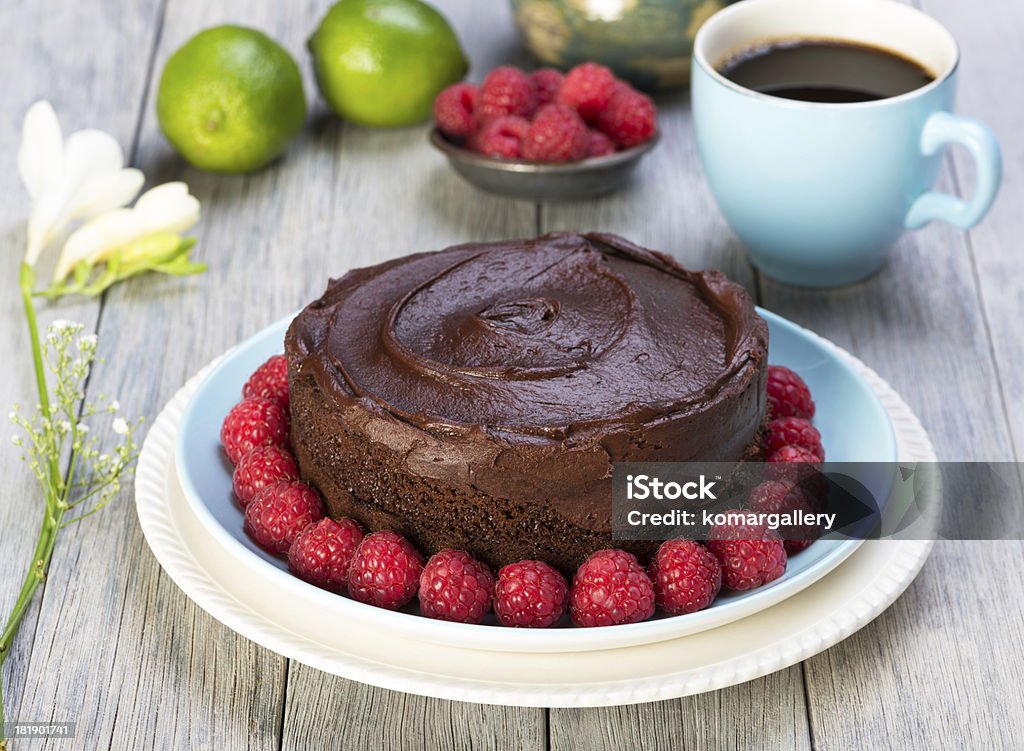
[534, 181]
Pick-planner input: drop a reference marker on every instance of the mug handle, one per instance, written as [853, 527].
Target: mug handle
[943, 128]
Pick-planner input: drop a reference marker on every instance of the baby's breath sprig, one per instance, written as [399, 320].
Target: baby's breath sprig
[59, 430]
[65, 429]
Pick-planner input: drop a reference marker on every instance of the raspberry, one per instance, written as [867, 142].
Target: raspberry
[776, 497]
[588, 88]
[791, 454]
[794, 546]
[794, 431]
[611, 588]
[546, 83]
[788, 395]
[385, 571]
[505, 91]
[455, 586]
[251, 423]
[686, 577]
[453, 110]
[270, 381]
[274, 518]
[629, 119]
[322, 552]
[264, 465]
[798, 466]
[771, 495]
[530, 594]
[600, 144]
[501, 137]
[557, 134]
[750, 555]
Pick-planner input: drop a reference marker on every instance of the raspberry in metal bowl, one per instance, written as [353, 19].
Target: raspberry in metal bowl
[545, 135]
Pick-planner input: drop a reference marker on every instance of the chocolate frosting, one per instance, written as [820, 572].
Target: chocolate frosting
[523, 369]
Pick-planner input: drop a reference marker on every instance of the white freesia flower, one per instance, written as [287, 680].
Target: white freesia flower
[83, 177]
[167, 208]
[67, 179]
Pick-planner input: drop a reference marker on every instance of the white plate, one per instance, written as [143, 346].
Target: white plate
[850, 415]
[274, 615]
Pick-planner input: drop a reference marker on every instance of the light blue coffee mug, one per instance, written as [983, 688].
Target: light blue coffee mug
[818, 193]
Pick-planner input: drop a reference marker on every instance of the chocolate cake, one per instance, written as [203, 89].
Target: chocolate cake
[476, 397]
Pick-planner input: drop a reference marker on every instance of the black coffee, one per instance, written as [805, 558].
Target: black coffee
[826, 71]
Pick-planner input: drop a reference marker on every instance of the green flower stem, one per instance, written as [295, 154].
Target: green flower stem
[28, 279]
[35, 576]
[54, 512]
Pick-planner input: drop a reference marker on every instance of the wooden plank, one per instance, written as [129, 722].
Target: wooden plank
[991, 53]
[321, 710]
[937, 670]
[919, 324]
[922, 674]
[765, 713]
[96, 85]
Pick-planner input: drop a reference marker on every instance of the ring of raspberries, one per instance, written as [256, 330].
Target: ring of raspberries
[286, 517]
[545, 116]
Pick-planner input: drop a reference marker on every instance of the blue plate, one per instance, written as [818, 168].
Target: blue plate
[853, 422]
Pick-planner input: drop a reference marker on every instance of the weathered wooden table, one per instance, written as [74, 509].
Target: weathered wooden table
[113, 645]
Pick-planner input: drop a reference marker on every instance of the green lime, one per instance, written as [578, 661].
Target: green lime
[230, 99]
[382, 62]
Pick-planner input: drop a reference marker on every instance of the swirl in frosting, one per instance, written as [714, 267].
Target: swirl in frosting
[557, 338]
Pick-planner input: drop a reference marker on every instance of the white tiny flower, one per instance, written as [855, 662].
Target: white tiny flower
[83, 429]
[12, 416]
[120, 426]
[62, 324]
[88, 342]
[16, 440]
[63, 426]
